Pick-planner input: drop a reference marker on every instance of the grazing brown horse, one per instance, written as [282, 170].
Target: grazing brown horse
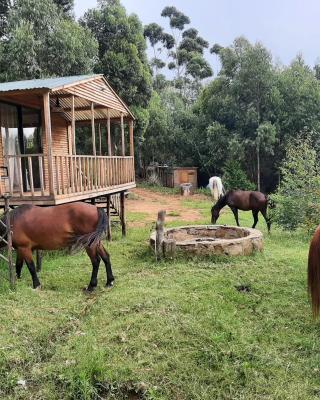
[245, 201]
[74, 226]
[314, 272]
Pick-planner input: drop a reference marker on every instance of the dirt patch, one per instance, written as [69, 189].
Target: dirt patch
[149, 203]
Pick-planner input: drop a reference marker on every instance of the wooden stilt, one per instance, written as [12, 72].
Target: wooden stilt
[12, 270]
[39, 260]
[123, 214]
[109, 236]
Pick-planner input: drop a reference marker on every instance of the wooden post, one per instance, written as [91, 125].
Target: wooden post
[123, 148]
[100, 144]
[109, 236]
[47, 127]
[39, 260]
[12, 270]
[123, 214]
[93, 130]
[160, 234]
[73, 126]
[131, 138]
[109, 134]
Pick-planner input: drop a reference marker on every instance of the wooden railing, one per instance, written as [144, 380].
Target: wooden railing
[25, 174]
[80, 174]
[28, 174]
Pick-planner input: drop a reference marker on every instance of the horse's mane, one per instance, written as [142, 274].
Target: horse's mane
[222, 201]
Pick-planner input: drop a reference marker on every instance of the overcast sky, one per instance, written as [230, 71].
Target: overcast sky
[286, 27]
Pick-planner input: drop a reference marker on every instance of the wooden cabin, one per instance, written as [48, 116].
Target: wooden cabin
[39, 126]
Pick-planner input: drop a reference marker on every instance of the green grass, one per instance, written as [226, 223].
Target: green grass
[169, 330]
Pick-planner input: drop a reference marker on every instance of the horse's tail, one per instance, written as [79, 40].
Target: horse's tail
[314, 272]
[80, 242]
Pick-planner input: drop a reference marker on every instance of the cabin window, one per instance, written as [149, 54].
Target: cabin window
[21, 134]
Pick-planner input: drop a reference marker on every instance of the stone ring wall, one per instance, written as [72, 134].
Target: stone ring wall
[214, 239]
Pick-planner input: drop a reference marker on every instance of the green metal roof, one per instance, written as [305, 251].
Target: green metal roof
[49, 83]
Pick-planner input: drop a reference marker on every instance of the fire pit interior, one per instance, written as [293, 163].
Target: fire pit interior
[215, 239]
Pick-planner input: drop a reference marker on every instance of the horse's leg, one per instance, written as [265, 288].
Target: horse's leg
[19, 264]
[106, 259]
[235, 213]
[264, 213]
[26, 255]
[95, 260]
[255, 218]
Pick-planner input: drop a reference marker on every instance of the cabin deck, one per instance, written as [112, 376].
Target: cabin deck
[75, 178]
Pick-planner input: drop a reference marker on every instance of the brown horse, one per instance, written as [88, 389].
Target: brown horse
[245, 201]
[73, 226]
[314, 272]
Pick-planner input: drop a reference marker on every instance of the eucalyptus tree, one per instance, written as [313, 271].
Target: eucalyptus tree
[122, 51]
[155, 34]
[181, 51]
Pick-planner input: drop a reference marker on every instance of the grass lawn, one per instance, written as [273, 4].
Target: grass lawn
[170, 330]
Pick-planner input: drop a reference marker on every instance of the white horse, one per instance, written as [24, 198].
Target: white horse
[216, 187]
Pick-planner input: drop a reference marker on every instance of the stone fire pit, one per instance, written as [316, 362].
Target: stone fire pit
[214, 239]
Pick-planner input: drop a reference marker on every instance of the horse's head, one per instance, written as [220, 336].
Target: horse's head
[215, 212]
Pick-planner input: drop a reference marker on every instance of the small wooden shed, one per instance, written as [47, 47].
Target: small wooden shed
[185, 175]
[39, 121]
[175, 176]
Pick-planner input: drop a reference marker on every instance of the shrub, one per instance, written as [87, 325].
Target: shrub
[296, 197]
[235, 178]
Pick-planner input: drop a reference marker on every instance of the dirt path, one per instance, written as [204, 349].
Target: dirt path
[149, 203]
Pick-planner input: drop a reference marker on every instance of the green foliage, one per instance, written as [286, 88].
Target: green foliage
[4, 10]
[234, 177]
[122, 51]
[66, 6]
[296, 199]
[72, 56]
[170, 122]
[177, 19]
[41, 42]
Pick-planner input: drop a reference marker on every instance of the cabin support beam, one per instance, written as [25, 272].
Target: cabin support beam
[109, 134]
[47, 127]
[131, 138]
[73, 126]
[123, 148]
[100, 142]
[93, 130]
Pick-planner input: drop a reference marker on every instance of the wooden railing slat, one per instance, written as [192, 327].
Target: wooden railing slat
[31, 175]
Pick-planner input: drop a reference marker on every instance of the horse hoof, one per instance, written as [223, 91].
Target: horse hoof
[109, 285]
[37, 289]
[89, 289]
